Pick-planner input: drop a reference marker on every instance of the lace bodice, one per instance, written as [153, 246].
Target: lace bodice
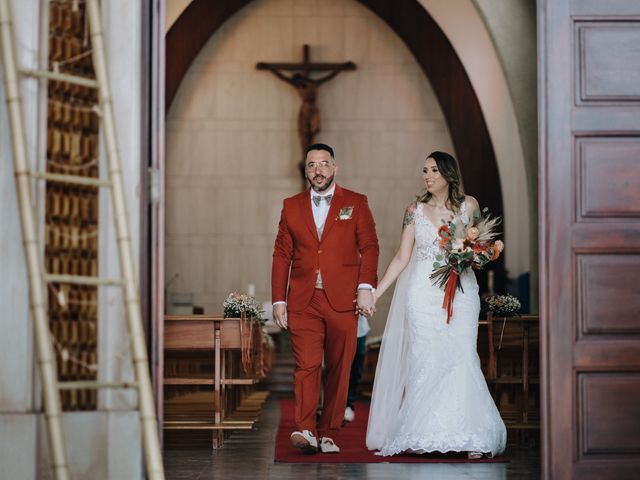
[426, 235]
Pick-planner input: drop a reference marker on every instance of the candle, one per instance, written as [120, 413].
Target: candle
[251, 290]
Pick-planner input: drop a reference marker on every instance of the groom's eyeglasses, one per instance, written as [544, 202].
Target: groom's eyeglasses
[323, 165]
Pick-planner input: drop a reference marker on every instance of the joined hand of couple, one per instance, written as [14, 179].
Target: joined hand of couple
[365, 303]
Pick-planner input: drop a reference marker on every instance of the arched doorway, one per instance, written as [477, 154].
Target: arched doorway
[441, 65]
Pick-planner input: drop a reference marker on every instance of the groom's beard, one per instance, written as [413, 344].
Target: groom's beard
[324, 187]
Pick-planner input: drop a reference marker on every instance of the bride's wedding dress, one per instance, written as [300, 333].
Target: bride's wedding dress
[429, 392]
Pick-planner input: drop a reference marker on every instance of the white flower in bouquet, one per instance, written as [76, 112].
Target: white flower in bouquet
[457, 245]
[238, 303]
[503, 305]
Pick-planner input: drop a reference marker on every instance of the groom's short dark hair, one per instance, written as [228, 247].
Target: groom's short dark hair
[320, 146]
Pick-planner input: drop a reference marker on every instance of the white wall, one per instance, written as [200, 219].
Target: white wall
[105, 443]
[18, 426]
[512, 26]
[173, 9]
[468, 34]
[232, 144]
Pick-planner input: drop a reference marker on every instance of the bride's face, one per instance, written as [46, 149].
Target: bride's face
[433, 179]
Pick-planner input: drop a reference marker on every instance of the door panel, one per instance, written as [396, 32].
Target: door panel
[589, 105]
[608, 303]
[602, 398]
[606, 189]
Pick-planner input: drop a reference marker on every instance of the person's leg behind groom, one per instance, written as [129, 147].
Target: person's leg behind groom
[355, 376]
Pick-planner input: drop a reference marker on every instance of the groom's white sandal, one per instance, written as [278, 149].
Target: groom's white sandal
[305, 441]
[328, 446]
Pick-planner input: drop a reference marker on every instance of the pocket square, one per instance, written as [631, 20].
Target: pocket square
[345, 213]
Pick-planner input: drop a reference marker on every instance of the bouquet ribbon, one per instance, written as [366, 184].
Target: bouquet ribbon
[450, 293]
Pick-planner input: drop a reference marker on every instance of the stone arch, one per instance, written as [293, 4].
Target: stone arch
[432, 50]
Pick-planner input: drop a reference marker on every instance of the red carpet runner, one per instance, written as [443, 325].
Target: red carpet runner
[352, 444]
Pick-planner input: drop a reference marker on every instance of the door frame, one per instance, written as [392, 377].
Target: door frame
[152, 211]
[179, 53]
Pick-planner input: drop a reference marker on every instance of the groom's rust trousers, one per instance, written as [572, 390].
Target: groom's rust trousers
[323, 321]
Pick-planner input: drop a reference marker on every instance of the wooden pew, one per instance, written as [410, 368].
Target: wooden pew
[202, 360]
[512, 372]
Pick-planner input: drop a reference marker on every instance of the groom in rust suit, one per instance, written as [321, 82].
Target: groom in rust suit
[325, 262]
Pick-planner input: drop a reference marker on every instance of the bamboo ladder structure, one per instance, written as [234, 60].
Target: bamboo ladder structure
[36, 274]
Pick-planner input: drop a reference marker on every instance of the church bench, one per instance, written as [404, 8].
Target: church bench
[512, 372]
[203, 351]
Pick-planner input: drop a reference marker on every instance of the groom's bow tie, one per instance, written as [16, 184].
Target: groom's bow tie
[316, 199]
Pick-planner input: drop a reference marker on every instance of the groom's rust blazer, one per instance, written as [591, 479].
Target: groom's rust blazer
[347, 254]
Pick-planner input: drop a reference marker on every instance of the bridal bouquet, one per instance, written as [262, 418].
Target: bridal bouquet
[462, 247]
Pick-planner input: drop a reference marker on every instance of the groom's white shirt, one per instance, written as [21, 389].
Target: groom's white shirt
[320, 211]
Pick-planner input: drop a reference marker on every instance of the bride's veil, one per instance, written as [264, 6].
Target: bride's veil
[391, 372]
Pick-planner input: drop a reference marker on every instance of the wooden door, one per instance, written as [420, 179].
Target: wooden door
[589, 114]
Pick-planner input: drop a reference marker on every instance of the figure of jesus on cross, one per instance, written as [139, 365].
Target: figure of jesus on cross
[307, 88]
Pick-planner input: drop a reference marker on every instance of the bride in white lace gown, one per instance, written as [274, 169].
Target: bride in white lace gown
[429, 392]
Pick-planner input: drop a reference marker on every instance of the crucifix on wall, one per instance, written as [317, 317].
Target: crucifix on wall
[307, 86]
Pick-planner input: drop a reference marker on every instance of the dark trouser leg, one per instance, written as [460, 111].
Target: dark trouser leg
[356, 369]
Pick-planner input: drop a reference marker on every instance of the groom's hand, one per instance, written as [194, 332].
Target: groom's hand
[280, 315]
[366, 304]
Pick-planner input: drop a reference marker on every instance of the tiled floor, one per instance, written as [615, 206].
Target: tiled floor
[249, 455]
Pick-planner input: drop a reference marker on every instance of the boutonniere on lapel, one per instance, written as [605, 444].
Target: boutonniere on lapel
[345, 213]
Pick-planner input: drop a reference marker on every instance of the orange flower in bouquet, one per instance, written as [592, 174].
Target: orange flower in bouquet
[462, 247]
[443, 233]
